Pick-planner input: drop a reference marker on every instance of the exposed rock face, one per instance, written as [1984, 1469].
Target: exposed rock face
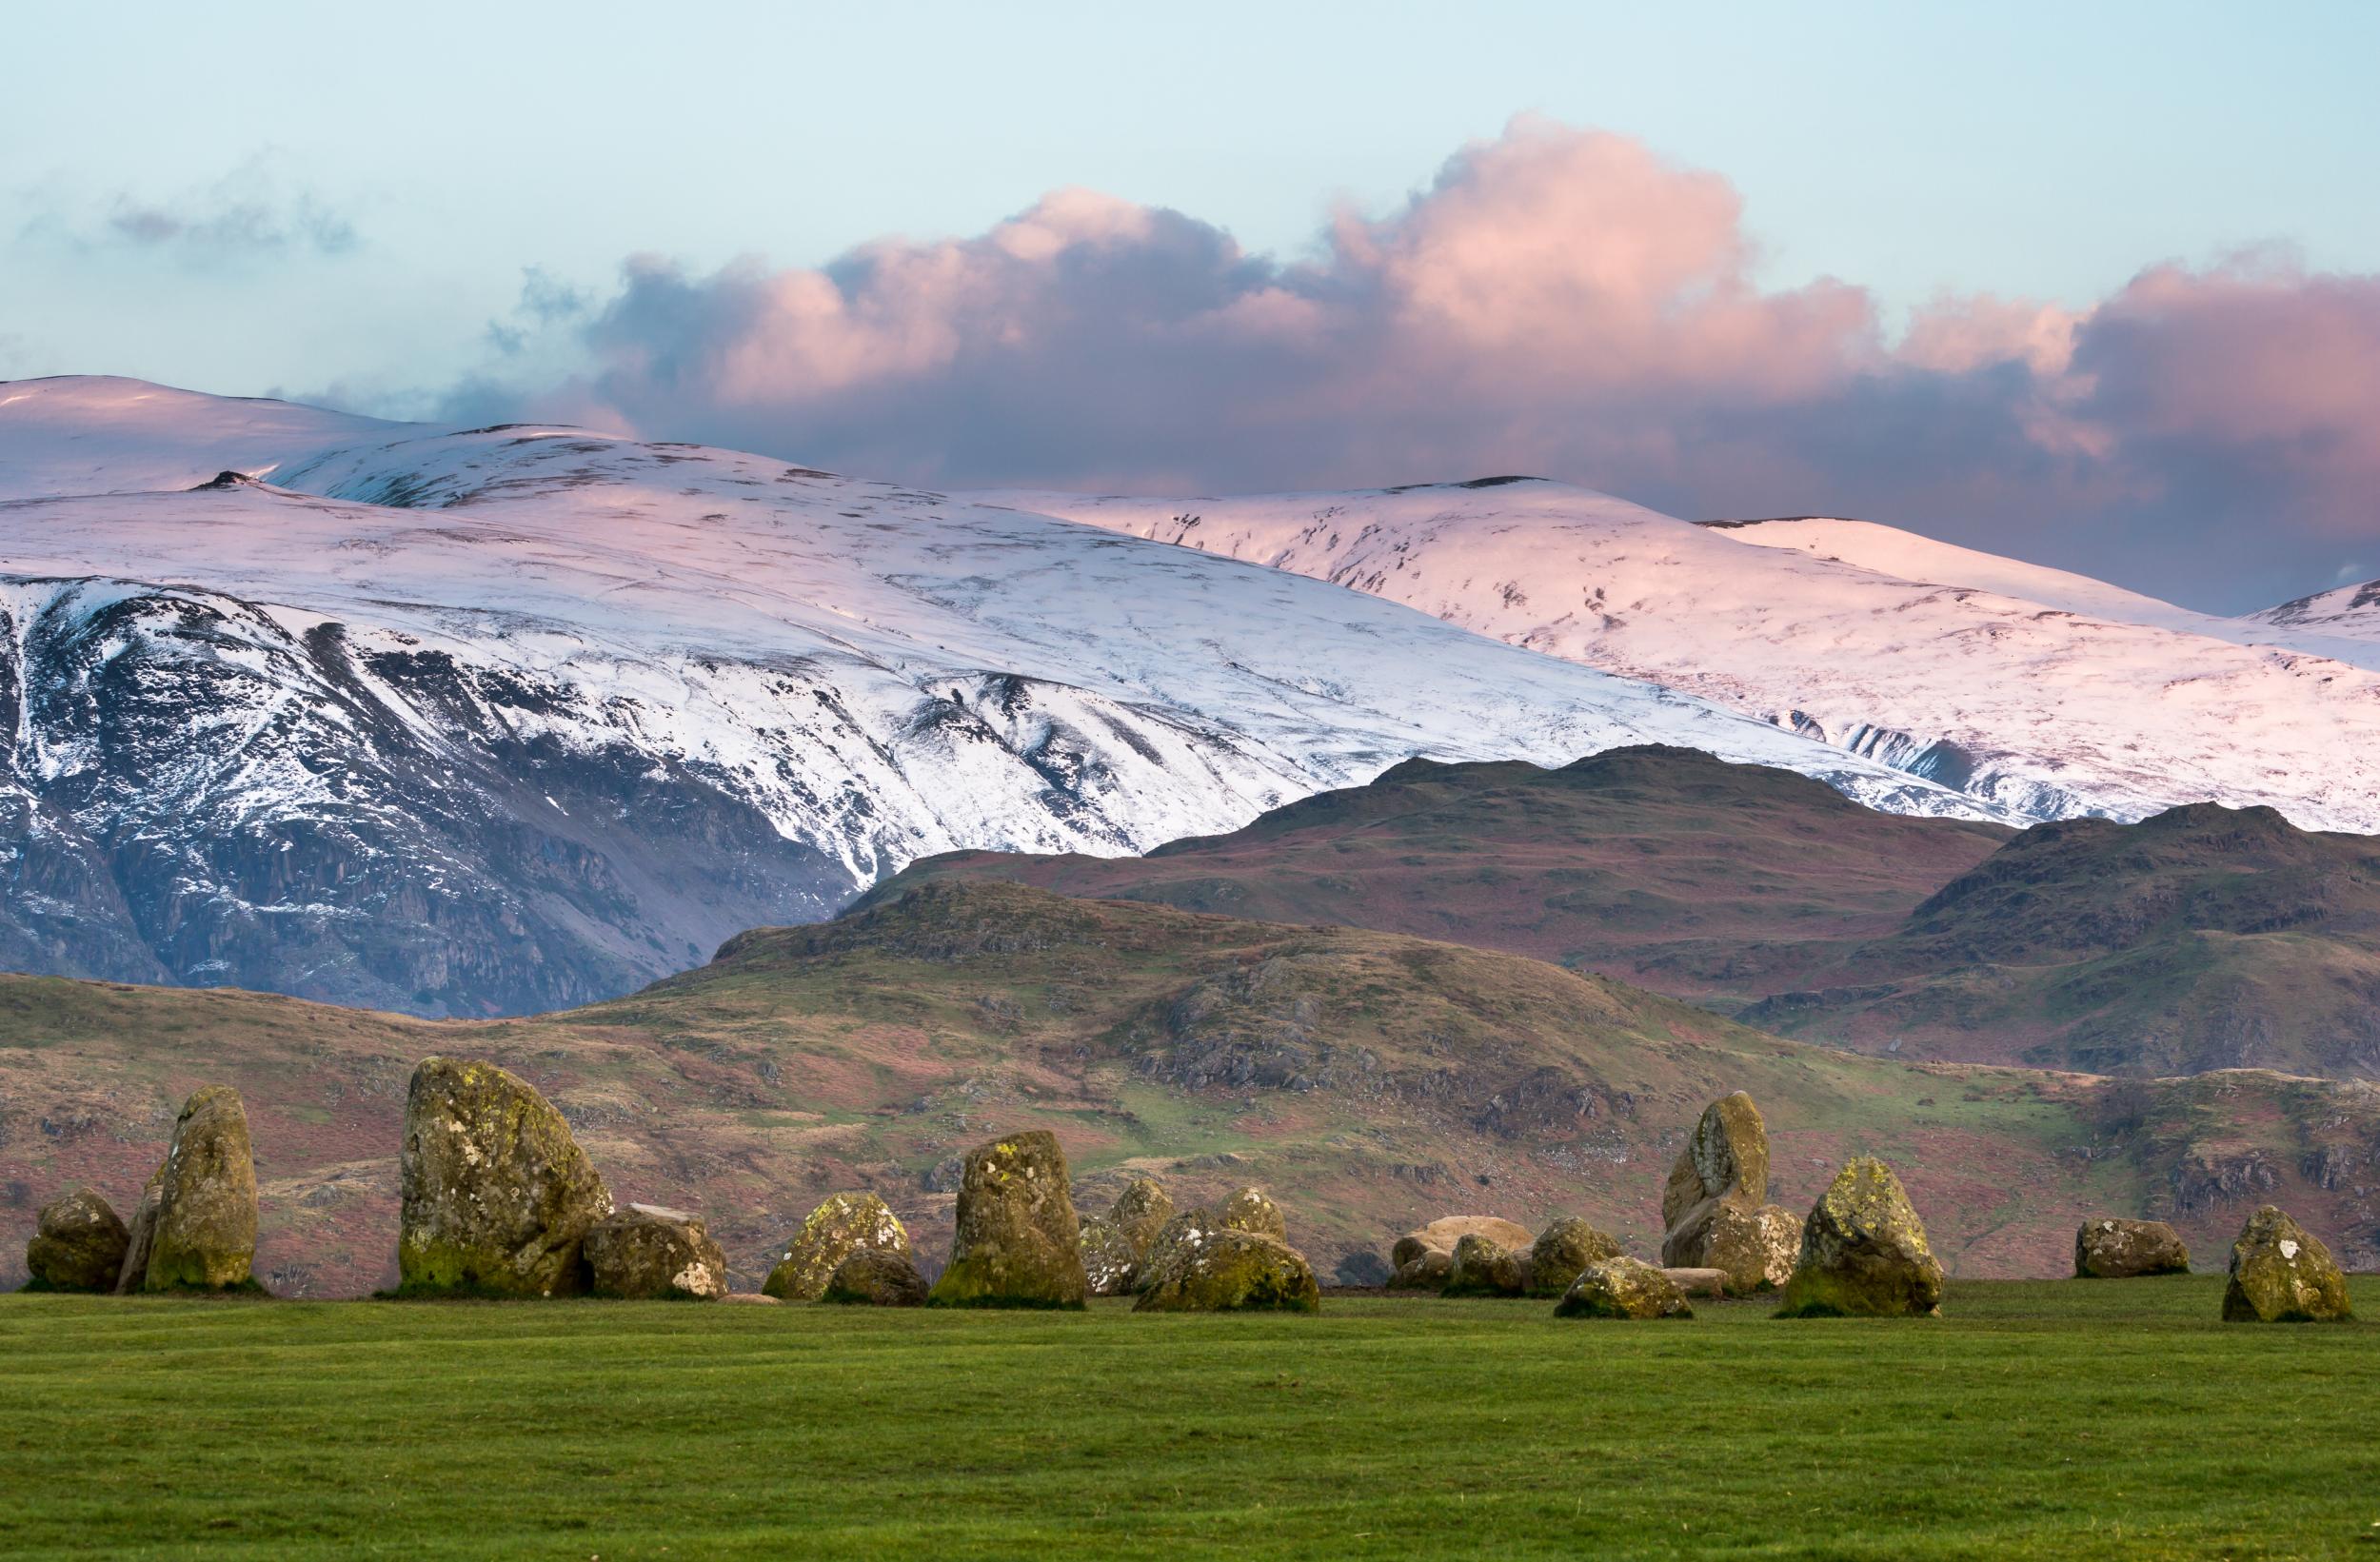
[842, 1225]
[1483, 1268]
[1755, 1245]
[876, 1277]
[645, 1253]
[1117, 1243]
[1562, 1251]
[1018, 1244]
[204, 1235]
[1442, 1233]
[2282, 1274]
[2118, 1250]
[1714, 1203]
[79, 1244]
[1727, 1156]
[1425, 1271]
[1863, 1252]
[1228, 1269]
[1623, 1288]
[498, 1197]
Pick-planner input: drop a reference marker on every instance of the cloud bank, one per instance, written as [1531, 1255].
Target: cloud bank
[1557, 301]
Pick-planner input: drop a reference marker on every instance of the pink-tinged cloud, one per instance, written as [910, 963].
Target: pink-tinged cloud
[1559, 302]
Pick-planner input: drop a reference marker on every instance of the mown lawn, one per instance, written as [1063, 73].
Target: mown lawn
[2059, 1419]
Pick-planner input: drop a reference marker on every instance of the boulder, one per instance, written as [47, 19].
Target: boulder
[1699, 1282]
[1728, 1157]
[842, 1225]
[645, 1253]
[77, 1245]
[497, 1195]
[1442, 1234]
[1623, 1288]
[1863, 1252]
[1755, 1245]
[2282, 1274]
[1018, 1244]
[1483, 1268]
[1228, 1269]
[876, 1277]
[1425, 1271]
[202, 1234]
[2118, 1250]
[1116, 1244]
[1250, 1210]
[1562, 1251]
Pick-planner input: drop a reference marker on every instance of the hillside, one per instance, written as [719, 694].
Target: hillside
[1369, 1079]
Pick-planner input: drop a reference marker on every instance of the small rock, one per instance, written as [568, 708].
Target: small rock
[78, 1245]
[876, 1277]
[2280, 1273]
[2118, 1250]
[1863, 1252]
[645, 1253]
[1483, 1268]
[1699, 1282]
[750, 1298]
[1562, 1251]
[1229, 1270]
[842, 1225]
[1018, 1244]
[1623, 1288]
[1425, 1271]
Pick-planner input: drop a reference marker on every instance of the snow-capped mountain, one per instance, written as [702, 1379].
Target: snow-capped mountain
[500, 719]
[2044, 693]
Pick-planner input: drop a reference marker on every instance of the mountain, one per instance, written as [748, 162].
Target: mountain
[499, 720]
[2079, 699]
[2199, 939]
[1368, 1079]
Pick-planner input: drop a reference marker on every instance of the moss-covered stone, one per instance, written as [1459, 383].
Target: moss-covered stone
[1252, 1210]
[1018, 1244]
[497, 1195]
[1425, 1271]
[876, 1277]
[1622, 1288]
[2109, 1249]
[1863, 1252]
[1228, 1269]
[1756, 1246]
[1563, 1249]
[1442, 1233]
[203, 1236]
[645, 1253]
[2282, 1274]
[842, 1225]
[78, 1244]
[1728, 1157]
[1484, 1268]
[1118, 1242]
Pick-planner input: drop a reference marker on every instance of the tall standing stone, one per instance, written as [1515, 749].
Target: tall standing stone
[78, 1244]
[204, 1230]
[1715, 1202]
[498, 1197]
[1863, 1252]
[1018, 1244]
[2283, 1274]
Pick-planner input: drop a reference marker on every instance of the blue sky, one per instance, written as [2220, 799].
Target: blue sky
[340, 201]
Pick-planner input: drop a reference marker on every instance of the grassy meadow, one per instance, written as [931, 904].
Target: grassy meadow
[2071, 1419]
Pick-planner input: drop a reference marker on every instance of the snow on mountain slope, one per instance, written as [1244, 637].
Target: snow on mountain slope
[84, 434]
[2045, 709]
[2347, 617]
[508, 718]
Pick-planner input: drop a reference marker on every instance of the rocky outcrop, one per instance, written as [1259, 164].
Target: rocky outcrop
[1442, 1234]
[2281, 1274]
[203, 1231]
[1228, 1269]
[2109, 1249]
[646, 1253]
[1563, 1249]
[78, 1245]
[497, 1195]
[876, 1277]
[843, 1224]
[1863, 1252]
[1117, 1243]
[1018, 1244]
[1483, 1268]
[1622, 1288]
[1715, 1204]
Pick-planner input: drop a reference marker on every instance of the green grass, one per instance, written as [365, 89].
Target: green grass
[2069, 1419]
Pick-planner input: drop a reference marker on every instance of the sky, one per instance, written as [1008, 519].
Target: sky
[2095, 286]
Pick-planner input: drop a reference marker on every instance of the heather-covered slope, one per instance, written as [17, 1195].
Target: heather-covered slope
[1368, 1080]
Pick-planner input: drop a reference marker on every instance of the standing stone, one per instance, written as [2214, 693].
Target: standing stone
[1728, 1156]
[202, 1236]
[78, 1244]
[1442, 1234]
[2118, 1250]
[1116, 1244]
[1018, 1244]
[842, 1225]
[1623, 1288]
[645, 1253]
[1230, 1270]
[1753, 1245]
[140, 1235]
[876, 1277]
[498, 1197]
[1563, 1249]
[1252, 1210]
[1483, 1268]
[1715, 1204]
[2282, 1274]
[1863, 1252]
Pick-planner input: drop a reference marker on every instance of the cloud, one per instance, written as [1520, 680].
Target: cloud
[1557, 301]
[246, 216]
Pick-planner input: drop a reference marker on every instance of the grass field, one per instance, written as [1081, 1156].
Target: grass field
[2071, 1419]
